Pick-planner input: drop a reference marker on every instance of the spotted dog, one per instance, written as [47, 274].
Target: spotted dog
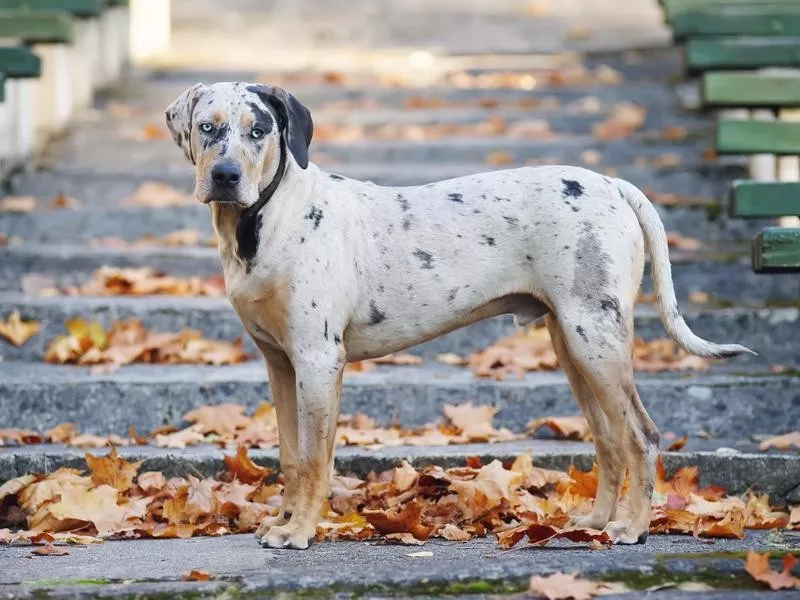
[323, 269]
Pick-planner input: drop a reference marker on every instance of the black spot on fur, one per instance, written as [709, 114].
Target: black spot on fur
[452, 294]
[302, 240]
[407, 223]
[336, 177]
[501, 199]
[581, 333]
[572, 188]
[425, 258]
[609, 304]
[313, 304]
[263, 118]
[337, 339]
[487, 240]
[529, 257]
[375, 315]
[621, 193]
[512, 221]
[455, 198]
[326, 329]
[404, 205]
[315, 215]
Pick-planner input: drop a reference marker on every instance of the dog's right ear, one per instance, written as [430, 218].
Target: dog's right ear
[179, 118]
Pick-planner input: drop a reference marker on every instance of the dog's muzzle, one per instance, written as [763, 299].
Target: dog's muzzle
[225, 178]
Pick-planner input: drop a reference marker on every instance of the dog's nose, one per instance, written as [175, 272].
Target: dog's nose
[226, 174]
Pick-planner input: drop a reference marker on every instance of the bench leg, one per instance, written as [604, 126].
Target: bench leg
[53, 90]
[150, 28]
[789, 167]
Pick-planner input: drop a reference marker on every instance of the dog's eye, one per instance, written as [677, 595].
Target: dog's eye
[257, 133]
[206, 127]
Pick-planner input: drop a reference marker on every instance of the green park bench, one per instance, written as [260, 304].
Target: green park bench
[747, 53]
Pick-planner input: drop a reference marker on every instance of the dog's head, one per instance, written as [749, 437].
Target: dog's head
[235, 134]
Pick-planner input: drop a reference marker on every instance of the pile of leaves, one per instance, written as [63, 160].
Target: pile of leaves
[128, 341]
[532, 350]
[143, 281]
[227, 425]
[179, 237]
[404, 504]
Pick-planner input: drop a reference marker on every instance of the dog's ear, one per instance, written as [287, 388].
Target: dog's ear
[294, 120]
[179, 118]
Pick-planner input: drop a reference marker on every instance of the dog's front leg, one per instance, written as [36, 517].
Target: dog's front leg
[284, 396]
[319, 380]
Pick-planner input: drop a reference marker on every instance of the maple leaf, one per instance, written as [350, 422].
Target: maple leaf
[243, 467]
[223, 419]
[112, 470]
[782, 442]
[17, 331]
[576, 428]
[757, 565]
[151, 481]
[499, 158]
[475, 422]
[561, 586]
[492, 486]
[61, 433]
[678, 444]
[399, 520]
[77, 507]
[200, 499]
[196, 575]
[625, 118]
[453, 533]
[188, 436]
[13, 486]
[19, 437]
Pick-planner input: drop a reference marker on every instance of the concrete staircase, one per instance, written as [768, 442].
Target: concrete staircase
[100, 165]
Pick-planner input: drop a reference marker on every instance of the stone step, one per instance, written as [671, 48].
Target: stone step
[728, 405]
[722, 272]
[472, 570]
[738, 467]
[769, 331]
[702, 183]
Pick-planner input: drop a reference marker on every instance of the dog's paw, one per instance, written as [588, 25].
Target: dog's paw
[590, 521]
[269, 522]
[287, 536]
[622, 532]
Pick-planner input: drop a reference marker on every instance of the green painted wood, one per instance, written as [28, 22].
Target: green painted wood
[752, 137]
[117, 2]
[720, 53]
[2, 87]
[673, 8]
[37, 27]
[745, 89]
[776, 250]
[764, 199]
[738, 20]
[79, 8]
[19, 62]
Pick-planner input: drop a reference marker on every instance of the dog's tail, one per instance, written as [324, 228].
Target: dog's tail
[656, 241]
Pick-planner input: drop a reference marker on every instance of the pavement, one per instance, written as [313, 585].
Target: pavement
[402, 64]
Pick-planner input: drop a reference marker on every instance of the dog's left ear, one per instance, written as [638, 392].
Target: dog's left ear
[179, 118]
[294, 120]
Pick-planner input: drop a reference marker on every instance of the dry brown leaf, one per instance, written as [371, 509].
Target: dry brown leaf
[674, 133]
[757, 565]
[499, 158]
[561, 586]
[678, 444]
[19, 437]
[156, 195]
[782, 442]
[197, 576]
[17, 331]
[61, 433]
[244, 469]
[223, 419]
[681, 242]
[575, 428]
[64, 201]
[112, 470]
[624, 119]
[146, 281]
[17, 204]
[50, 550]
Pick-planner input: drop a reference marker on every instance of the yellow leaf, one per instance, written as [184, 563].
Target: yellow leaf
[17, 331]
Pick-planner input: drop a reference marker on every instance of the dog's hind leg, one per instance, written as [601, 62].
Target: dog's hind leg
[610, 458]
[284, 397]
[599, 344]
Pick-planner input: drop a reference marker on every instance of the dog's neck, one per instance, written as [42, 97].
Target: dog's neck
[238, 228]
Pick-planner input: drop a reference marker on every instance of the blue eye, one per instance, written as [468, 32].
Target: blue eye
[206, 127]
[257, 133]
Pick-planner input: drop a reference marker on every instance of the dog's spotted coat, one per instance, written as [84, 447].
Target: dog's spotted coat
[323, 269]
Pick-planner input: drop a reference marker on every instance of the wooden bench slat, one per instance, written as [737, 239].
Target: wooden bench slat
[79, 8]
[738, 20]
[2, 87]
[776, 250]
[19, 62]
[764, 199]
[745, 89]
[757, 137]
[704, 54]
[672, 8]
[37, 27]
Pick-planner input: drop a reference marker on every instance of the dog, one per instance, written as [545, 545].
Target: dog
[323, 270]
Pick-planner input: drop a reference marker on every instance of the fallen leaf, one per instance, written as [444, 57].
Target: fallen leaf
[782, 442]
[156, 195]
[223, 419]
[624, 119]
[112, 470]
[49, 550]
[17, 331]
[561, 586]
[678, 444]
[244, 469]
[17, 204]
[681, 242]
[64, 201]
[499, 158]
[757, 565]
[196, 575]
[576, 428]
